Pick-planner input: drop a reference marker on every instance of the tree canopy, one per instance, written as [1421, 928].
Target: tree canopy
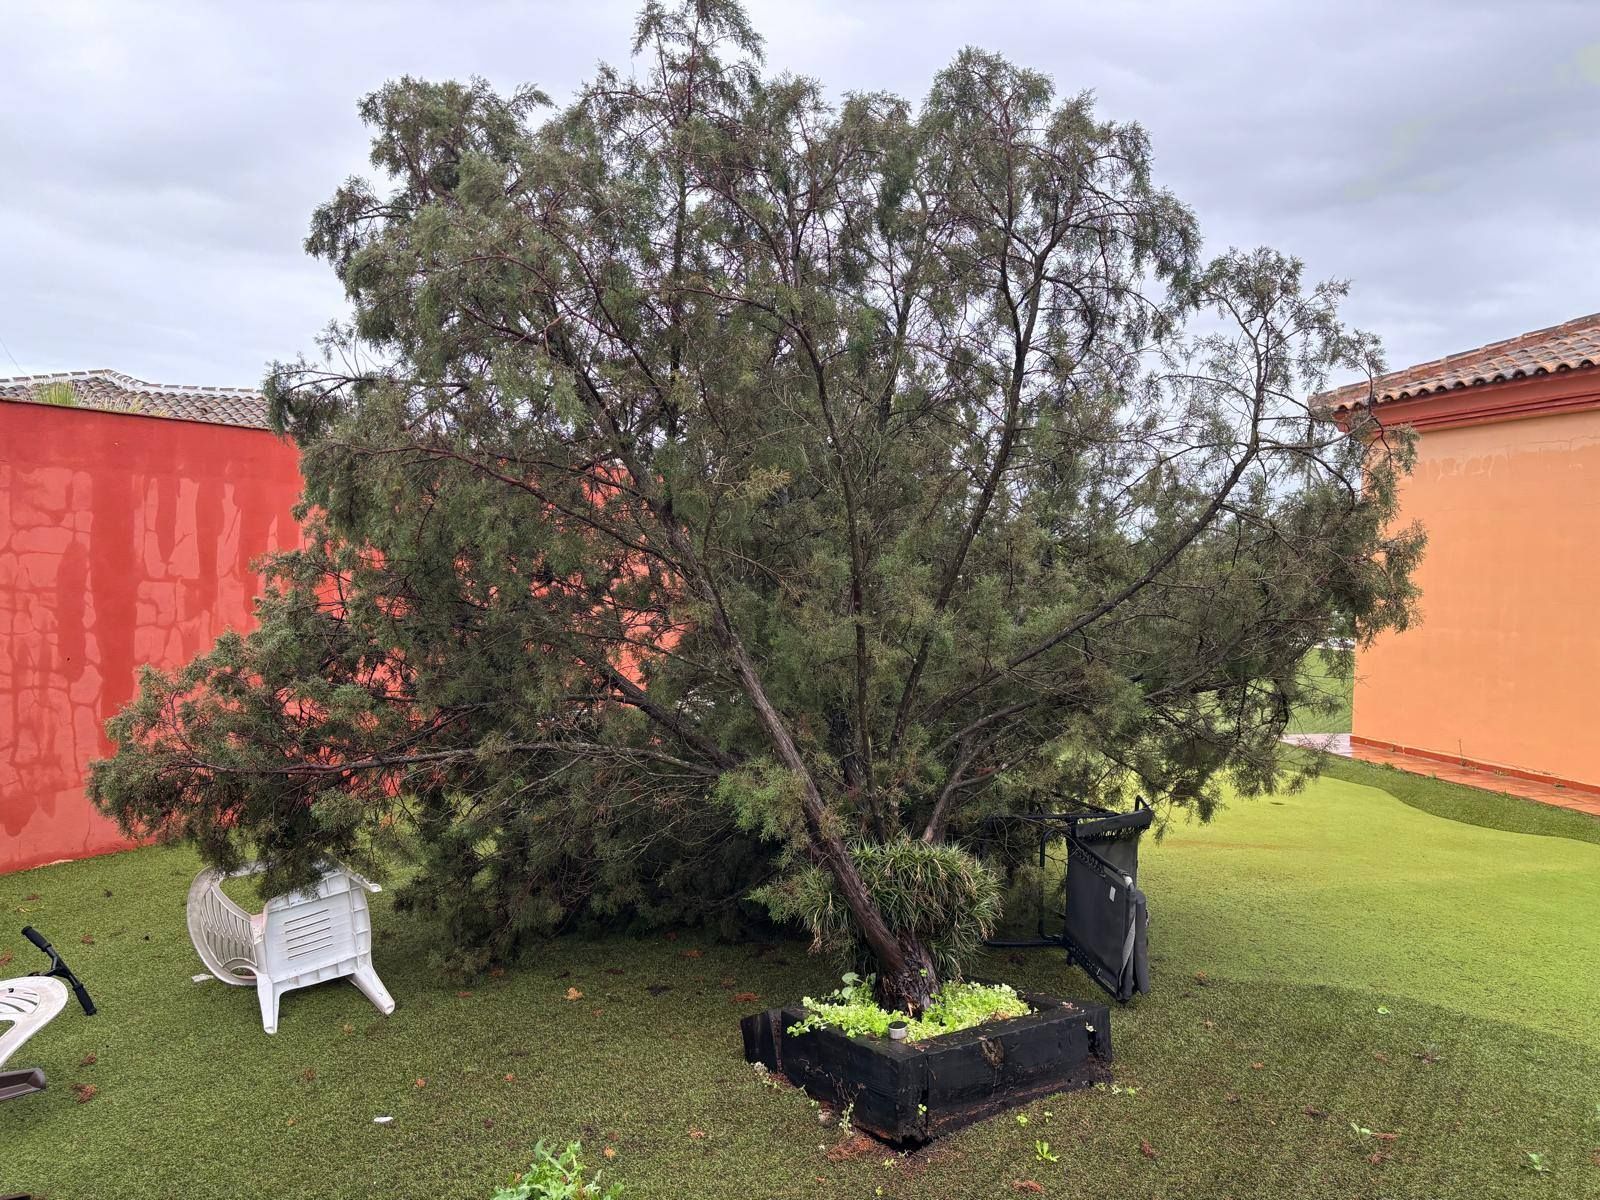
[722, 487]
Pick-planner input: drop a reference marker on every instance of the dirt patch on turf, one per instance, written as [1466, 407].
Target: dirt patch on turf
[854, 1147]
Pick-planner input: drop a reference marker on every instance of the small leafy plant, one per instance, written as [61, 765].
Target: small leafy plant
[1430, 1054]
[853, 1010]
[1042, 1152]
[60, 394]
[1537, 1164]
[557, 1177]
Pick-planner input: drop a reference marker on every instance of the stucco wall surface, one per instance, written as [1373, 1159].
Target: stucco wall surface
[124, 540]
[1504, 667]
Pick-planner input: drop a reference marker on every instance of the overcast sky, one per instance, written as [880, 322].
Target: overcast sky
[159, 161]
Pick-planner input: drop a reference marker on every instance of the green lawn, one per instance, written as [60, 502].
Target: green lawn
[1493, 810]
[1321, 959]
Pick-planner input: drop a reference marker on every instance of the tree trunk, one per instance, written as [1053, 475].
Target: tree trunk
[908, 985]
[906, 974]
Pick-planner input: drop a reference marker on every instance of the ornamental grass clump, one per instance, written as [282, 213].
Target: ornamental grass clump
[940, 894]
[852, 1010]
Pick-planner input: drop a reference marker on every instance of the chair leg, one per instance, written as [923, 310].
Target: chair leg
[267, 994]
[14, 1084]
[366, 978]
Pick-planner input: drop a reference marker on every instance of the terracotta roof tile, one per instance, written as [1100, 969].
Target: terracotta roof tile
[1572, 346]
[113, 391]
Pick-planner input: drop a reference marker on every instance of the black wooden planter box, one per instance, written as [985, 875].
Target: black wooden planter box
[913, 1092]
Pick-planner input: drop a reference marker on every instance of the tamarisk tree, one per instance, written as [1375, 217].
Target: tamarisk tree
[721, 488]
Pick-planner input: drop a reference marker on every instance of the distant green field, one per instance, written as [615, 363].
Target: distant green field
[1332, 684]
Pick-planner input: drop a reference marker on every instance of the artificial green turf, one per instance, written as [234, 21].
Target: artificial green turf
[1474, 806]
[1278, 933]
[1362, 891]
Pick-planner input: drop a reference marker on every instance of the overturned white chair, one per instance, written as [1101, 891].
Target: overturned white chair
[29, 1004]
[306, 937]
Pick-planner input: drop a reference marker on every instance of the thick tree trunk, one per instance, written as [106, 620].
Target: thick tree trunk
[906, 974]
[909, 985]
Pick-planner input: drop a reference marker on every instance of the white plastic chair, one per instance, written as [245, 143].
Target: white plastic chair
[324, 932]
[29, 1004]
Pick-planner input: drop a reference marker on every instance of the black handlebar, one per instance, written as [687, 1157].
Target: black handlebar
[60, 969]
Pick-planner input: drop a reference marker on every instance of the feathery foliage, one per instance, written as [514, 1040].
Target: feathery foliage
[939, 895]
[718, 479]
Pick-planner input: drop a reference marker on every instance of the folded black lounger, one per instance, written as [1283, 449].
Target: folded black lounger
[1103, 927]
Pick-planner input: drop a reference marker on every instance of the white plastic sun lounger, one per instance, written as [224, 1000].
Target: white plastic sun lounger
[29, 1004]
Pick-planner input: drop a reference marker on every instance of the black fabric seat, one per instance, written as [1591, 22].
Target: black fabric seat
[1105, 921]
[1107, 918]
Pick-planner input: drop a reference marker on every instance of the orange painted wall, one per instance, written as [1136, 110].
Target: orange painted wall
[124, 540]
[1504, 667]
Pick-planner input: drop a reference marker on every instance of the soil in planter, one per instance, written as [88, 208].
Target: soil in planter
[908, 1093]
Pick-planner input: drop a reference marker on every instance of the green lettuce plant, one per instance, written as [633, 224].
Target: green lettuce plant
[955, 1006]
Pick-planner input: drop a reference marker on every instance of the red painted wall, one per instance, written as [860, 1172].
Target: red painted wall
[124, 540]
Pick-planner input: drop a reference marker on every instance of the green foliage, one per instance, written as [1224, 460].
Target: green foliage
[557, 1177]
[60, 394]
[1324, 706]
[938, 894]
[854, 1010]
[733, 480]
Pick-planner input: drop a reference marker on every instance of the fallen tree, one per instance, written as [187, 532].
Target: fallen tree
[719, 487]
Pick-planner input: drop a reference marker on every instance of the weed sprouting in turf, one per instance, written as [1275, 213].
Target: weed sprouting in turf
[557, 1177]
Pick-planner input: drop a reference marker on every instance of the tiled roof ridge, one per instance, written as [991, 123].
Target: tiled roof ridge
[1549, 333]
[129, 383]
[1572, 345]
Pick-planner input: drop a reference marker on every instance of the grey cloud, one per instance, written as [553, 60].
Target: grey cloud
[159, 161]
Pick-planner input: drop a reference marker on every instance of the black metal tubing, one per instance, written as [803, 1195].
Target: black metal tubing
[59, 969]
